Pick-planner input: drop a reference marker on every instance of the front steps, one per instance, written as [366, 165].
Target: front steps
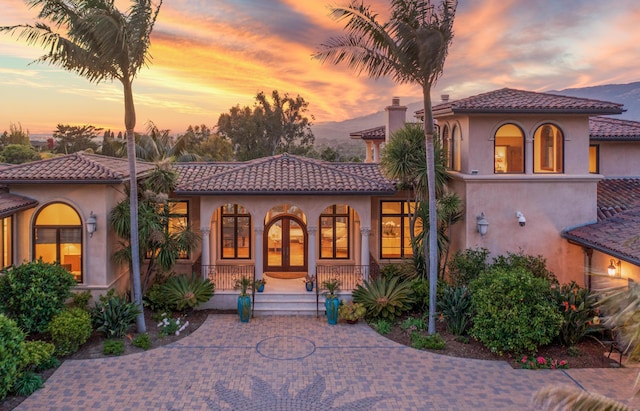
[274, 303]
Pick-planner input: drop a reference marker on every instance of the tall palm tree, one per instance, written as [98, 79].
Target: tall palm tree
[99, 42]
[157, 145]
[411, 48]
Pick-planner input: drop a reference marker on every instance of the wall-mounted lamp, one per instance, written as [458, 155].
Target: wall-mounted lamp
[521, 220]
[482, 224]
[615, 268]
[92, 224]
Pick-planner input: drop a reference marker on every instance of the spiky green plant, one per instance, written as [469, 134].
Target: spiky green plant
[182, 291]
[114, 316]
[455, 307]
[384, 298]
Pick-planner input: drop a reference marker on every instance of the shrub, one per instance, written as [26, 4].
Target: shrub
[384, 298]
[11, 339]
[171, 326]
[81, 300]
[113, 316]
[420, 290]
[351, 311]
[465, 266]
[455, 308]
[113, 347]
[27, 384]
[382, 326]
[70, 329]
[535, 265]
[183, 292]
[33, 293]
[37, 355]
[577, 313]
[155, 299]
[412, 324]
[429, 341]
[142, 341]
[514, 311]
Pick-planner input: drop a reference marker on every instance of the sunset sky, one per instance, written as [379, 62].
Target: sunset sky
[209, 55]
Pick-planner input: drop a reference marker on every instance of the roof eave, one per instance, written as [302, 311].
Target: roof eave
[267, 193]
[535, 111]
[52, 181]
[14, 210]
[584, 243]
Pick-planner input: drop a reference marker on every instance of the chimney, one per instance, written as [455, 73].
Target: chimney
[396, 117]
[444, 98]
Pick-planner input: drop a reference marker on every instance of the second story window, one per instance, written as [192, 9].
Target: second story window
[594, 159]
[548, 150]
[509, 150]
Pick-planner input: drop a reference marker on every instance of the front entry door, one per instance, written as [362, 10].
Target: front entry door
[285, 245]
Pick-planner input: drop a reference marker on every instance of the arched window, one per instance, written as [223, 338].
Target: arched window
[57, 235]
[446, 146]
[334, 232]
[235, 232]
[455, 149]
[509, 150]
[548, 149]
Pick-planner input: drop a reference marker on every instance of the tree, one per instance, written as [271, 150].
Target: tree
[208, 146]
[15, 136]
[403, 160]
[70, 139]
[18, 154]
[273, 126]
[161, 239]
[157, 145]
[411, 48]
[99, 42]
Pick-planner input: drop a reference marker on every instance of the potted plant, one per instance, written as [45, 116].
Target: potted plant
[351, 312]
[331, 302]
[244, 299]
[259, 284]
[309, 281]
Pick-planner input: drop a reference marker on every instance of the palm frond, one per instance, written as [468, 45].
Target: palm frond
[558, 398]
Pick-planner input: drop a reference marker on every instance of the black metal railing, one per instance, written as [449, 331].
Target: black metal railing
[350, 276]
[224, 276]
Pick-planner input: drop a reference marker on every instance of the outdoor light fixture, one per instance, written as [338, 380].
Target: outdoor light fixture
[482, 224]
[615, 268]
[92, 224]
[521, 220]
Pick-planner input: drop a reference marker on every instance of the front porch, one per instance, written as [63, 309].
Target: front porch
[282, 296]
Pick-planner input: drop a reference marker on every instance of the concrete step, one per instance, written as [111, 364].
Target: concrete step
[287, 304]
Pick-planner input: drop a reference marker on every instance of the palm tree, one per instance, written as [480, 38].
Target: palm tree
[99, 42]
[157, 145]
[411, 48]
[622, 308]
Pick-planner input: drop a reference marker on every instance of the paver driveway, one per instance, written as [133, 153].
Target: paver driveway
[301, 363]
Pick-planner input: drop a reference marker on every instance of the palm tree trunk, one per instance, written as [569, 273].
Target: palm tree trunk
[130, 123]
[431, 247]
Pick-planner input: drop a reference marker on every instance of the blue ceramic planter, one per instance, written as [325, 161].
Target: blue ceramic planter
[331, 305]
[309, 286]
[244, 308]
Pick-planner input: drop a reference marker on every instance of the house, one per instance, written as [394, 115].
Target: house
[530, 165]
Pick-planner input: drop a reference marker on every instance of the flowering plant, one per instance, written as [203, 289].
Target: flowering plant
[541, 362]
[171, 326]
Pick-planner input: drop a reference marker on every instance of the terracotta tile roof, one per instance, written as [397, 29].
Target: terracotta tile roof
[616, 195]
[12, 203]
[73, 168]
[618, 236]
[613, 129]
[375, 133]
[508, 100]
[283, 174]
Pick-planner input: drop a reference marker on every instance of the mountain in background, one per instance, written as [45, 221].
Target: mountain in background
[336, 133]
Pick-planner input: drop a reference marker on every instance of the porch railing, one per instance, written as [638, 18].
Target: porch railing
[350, 276]
[224, 276]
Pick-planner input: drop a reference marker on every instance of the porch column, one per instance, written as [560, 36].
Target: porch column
[376, 152]
[312, 250]
[206, 250]
[364, 249]
[528, 160]
[369, 159]
[258, 251]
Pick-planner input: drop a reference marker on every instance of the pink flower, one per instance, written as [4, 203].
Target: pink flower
[563, 362]
[524, 359]
[542, 361]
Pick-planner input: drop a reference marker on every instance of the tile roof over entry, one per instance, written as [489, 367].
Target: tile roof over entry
[282, 174]
[509, 100]
[12, 203]
[616, 195]
[73, 168]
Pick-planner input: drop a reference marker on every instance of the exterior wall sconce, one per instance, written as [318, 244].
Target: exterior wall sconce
[92, 224]
[615, 268]
[482, 224]
[521, 220]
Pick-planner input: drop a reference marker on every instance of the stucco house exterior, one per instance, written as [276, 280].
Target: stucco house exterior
[541, 155]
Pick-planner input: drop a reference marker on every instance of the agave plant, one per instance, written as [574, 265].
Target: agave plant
[384, 298]
[455, 306]
[187, 292]
[113, 315]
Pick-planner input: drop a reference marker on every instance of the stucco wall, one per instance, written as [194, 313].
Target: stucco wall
[619, 159]
[99, 271]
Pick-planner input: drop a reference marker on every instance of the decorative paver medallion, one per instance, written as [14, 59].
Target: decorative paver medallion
[286, 347]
